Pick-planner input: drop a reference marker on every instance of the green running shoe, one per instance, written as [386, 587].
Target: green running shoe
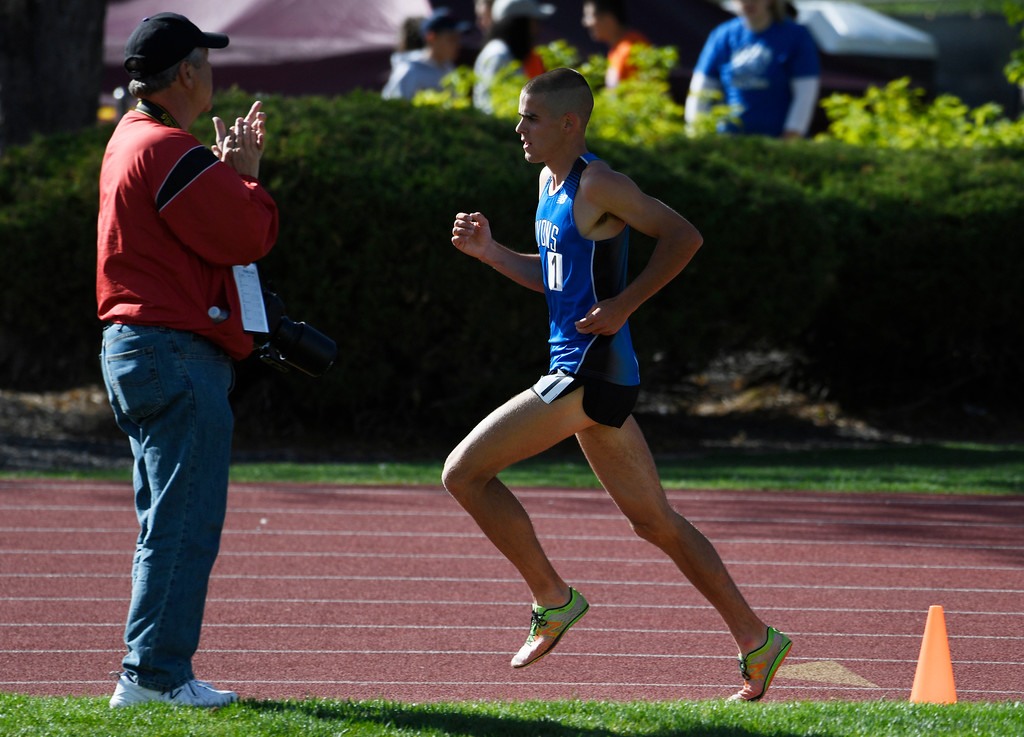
[547, 627]
[758, 667]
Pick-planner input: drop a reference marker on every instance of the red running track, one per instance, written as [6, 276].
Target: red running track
[355, 592]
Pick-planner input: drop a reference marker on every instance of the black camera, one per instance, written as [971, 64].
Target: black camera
[294, 344]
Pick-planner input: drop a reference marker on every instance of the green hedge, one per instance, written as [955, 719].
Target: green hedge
[895, 275]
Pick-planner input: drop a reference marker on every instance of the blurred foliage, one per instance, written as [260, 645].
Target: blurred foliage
[933, 8]
[899, 116]
[1014, 11]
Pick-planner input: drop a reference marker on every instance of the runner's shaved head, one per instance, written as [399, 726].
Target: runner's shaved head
[564, 90]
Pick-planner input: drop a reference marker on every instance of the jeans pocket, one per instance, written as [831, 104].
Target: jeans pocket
[135, 382]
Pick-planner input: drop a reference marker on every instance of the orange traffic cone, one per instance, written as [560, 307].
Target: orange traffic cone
[933, 682]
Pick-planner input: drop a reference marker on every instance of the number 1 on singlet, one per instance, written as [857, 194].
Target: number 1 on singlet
[555, 283]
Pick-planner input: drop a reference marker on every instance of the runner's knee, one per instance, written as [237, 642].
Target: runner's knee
[655, 528]
[450, 475]
[458, 476]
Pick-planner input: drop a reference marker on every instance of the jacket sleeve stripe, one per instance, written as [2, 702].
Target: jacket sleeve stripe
[188, 168]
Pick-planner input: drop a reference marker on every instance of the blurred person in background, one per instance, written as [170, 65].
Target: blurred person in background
[765, 65]
[482, 11]
[608, 23]
[410, 37]
[512, 37]
[424, 68]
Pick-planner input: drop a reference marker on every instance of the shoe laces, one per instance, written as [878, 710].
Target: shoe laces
[536, 622]
[743, 669]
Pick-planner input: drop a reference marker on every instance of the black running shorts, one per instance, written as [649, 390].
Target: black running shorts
[603, 402]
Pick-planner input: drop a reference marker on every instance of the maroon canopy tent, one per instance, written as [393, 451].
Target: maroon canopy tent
[284, 46]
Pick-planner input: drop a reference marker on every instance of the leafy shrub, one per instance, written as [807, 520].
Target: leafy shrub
[1014, 11]
[899, 116]
[49, 191]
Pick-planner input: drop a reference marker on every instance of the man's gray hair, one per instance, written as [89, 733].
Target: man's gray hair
[163, 80]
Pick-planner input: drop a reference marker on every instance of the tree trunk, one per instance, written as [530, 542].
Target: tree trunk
[51, 66]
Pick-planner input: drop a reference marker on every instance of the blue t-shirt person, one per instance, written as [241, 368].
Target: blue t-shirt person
[770, 76]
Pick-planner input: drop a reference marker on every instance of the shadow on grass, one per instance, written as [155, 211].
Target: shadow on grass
[459, 721]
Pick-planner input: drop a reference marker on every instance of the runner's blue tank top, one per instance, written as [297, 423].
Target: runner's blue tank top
[579, 273]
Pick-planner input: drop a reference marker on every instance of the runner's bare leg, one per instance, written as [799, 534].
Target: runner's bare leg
[521, 428]
[623, 463]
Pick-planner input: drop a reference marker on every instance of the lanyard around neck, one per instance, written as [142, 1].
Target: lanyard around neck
[146, 107]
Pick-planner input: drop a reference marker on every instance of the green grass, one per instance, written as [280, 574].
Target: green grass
[91, 717]
[930, 469]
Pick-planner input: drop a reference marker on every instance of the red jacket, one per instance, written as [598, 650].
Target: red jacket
[173, 220]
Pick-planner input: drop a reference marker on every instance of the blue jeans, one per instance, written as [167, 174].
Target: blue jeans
[169, 392]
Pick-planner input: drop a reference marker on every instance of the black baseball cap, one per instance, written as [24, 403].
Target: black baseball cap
[162, 40]
[442, 20]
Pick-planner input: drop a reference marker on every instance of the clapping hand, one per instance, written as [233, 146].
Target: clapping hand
[241, 146]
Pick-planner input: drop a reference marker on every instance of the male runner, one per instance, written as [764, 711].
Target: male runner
[583, 218]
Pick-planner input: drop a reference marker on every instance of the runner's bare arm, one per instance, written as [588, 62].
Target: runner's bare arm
[471, 234]
[607, 191]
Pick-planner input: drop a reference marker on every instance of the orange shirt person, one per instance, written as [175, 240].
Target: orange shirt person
[607, 22]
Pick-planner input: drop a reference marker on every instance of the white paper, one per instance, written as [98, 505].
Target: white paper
[250, 295]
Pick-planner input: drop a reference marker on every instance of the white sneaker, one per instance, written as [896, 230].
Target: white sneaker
[193, 693]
